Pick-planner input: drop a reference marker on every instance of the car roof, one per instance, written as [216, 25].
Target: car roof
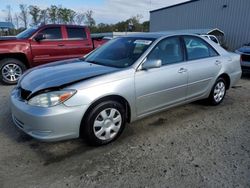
[157, 35]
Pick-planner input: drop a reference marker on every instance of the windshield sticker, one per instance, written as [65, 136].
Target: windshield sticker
[144, 42]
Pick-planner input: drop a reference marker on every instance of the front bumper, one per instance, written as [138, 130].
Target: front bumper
[47, 124]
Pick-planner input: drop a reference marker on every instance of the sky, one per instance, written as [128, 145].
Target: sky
[105, 11]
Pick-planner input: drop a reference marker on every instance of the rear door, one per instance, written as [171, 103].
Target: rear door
[78, 42]
[158, 88]
[50, 49]
[203, 65]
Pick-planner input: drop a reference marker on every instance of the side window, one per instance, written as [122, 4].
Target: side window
[52, 33]
[214, 39]
[168, 50]
[76, 33]
[197, 48]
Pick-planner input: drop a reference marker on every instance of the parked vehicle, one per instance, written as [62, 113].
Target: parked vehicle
[40, 45]
[212, 38]
[124, 80]
[245, 56]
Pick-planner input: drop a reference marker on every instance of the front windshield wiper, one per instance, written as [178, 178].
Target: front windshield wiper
[93, 62]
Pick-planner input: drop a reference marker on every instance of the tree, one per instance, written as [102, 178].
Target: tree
[16, 20]
[80, 18]
[24, 14]
[89, 18]
[145, 26]
[66, 15]
[53, 13]
[35, 13]
[134, 23]
[44, 16]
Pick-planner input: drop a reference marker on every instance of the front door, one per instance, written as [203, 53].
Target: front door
[50, 49]
[158, 88]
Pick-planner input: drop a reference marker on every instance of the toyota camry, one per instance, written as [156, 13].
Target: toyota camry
[126, 79]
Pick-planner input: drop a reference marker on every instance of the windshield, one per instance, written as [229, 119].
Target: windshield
[26, 33]
[120, 52]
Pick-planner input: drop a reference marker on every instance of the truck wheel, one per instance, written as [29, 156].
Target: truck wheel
[11, 70]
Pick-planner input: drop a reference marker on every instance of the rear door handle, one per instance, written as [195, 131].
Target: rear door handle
[182, 70]
[217, 62]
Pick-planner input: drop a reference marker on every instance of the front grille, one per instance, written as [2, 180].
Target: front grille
[245, 57]
[24, 93]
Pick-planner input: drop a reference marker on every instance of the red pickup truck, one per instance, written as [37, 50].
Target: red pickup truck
[40, 45]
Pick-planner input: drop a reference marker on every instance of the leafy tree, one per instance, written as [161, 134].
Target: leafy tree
[53, 12]
[66, 15]
[44, 16]
[24, 14]
[35, 13]
[145, 26]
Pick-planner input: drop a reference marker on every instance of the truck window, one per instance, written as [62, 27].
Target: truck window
[52, 33]
[76, 33]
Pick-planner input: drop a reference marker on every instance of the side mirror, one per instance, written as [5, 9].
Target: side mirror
[150, 64]
[39, 37]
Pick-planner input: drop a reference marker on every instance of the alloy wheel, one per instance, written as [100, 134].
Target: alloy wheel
[11, 72]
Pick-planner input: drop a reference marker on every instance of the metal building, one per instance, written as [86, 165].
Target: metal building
[230, 16]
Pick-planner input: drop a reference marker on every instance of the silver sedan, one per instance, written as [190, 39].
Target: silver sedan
[126, 79]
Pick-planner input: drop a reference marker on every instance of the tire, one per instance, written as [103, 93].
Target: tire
[104, 123]
[218, 92]
[11, 70]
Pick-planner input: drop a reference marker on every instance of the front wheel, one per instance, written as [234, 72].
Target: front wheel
[11, 70]
[104, 123]
[218, 92]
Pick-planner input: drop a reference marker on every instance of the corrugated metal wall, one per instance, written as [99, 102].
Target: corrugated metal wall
[231, 16]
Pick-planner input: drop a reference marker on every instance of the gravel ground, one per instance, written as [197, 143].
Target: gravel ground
[189, 146]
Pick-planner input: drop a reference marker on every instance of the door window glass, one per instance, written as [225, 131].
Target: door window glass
[169, 51]
[76, 33]
[197, 48]
[52, 33]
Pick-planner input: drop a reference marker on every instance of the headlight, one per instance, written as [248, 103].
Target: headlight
[52, 98]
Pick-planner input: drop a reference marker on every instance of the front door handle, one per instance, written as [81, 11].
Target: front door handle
[182, 70]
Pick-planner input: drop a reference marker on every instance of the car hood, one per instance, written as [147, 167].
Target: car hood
[61, 74]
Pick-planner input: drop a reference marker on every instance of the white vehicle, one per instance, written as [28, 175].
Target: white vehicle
[212, 38]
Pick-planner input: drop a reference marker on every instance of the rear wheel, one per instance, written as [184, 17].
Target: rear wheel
[218, 92]
[104, 123]
[11, 70]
